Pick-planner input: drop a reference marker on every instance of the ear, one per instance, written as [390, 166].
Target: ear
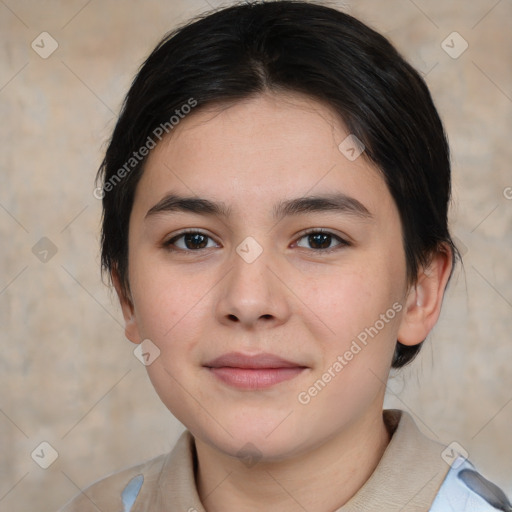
[131, 329]
[425, 297]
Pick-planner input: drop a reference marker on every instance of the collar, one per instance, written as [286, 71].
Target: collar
[407, 477]
[409, 474]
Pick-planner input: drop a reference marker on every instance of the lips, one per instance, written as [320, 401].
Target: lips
[253, 371]
[238, 360]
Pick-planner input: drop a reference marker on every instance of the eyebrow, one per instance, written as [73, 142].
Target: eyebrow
[336, 202]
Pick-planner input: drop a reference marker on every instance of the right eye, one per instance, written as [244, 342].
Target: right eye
[188, 241]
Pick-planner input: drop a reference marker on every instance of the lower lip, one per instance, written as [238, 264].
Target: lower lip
[255, 378]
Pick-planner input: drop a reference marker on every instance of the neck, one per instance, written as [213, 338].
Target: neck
[322, 479]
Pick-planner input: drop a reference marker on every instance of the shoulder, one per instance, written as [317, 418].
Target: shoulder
[448, 482]
[466, 490]
[107, 493]
[163, 483]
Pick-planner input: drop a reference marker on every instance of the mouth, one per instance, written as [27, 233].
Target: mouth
[253, 372]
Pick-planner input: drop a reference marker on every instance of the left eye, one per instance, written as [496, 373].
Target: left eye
[321, 240]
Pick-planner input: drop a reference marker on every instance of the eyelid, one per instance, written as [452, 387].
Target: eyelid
[326, 231]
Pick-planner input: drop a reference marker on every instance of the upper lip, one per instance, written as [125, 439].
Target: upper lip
[263, 360]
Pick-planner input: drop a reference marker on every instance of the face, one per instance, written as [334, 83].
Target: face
[314, 289]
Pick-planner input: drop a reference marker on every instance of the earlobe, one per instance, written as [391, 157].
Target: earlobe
[131, 329]
[425, 297]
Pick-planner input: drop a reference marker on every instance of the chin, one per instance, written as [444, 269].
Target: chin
[253, 439]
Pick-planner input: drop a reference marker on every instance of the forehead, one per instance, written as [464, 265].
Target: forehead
[258, 151]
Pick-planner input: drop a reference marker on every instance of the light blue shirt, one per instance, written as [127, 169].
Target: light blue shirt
[465, 490]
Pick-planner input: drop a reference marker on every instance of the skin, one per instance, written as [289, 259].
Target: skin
[294, 301]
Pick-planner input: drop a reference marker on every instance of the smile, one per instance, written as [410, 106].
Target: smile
[253, 372]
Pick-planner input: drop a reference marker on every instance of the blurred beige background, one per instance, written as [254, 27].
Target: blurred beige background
[69, 378]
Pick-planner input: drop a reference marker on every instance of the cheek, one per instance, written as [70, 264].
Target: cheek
[352, 299]
[362, 310]
[165, 301]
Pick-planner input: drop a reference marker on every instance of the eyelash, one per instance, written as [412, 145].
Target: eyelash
[342, 243]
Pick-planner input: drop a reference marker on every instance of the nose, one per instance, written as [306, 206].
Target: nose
[253, 294]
